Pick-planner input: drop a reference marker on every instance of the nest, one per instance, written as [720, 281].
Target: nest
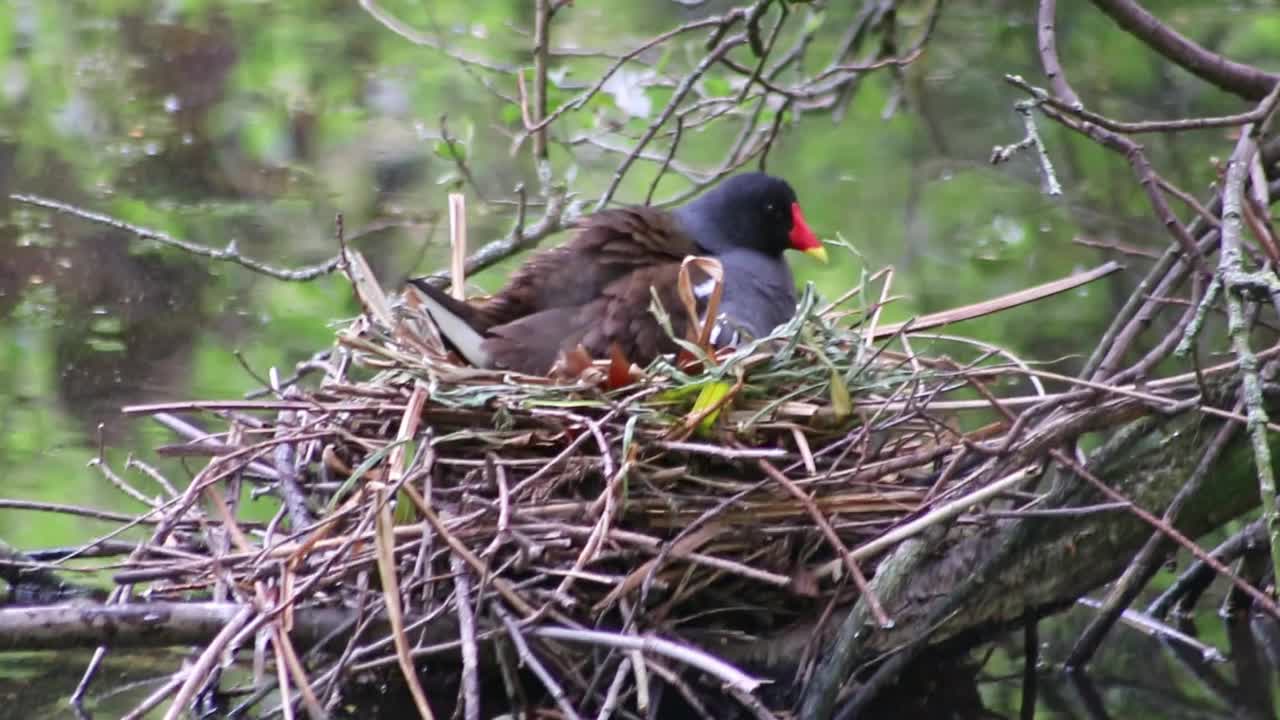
[583, 537]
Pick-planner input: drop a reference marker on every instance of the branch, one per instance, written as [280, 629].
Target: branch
[1070, 104]
[229, 254]
[685, 86]
[518, 240]
[1046, 37]
[393, 24]
[988, 581]
[1138, 161]
[1002, 153]
[1237, 284]
[142, 625]
[541, 41]
[1243, 80]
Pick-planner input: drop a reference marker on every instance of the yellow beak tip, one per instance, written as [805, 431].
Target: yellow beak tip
[818, 253]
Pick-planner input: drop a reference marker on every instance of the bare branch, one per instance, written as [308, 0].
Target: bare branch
[229, 254]
[1243, 80]
[392, 23]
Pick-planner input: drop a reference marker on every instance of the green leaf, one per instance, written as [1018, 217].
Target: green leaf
[368, 464]
[629, 436]
[814, 21]
[841, 403]
[457, 152]
[711, 396]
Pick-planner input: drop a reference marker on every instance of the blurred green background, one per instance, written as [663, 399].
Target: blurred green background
[255, 123]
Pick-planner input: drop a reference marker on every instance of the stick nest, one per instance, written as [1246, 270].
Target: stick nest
[592, 533]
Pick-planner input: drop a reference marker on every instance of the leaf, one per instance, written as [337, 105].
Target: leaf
[406, 513]
[364, 467]
[679, 393]
[574, 362]
[684, 286]
[628, 437]
[619, 368]
[384, 553]
[458, 152]
[814, 21]
[711, 396]
[841, 404]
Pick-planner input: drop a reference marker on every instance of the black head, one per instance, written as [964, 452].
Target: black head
[752, 210]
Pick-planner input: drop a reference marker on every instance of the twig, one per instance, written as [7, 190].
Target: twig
[718, 669]
[417, 38]
[529, 659]
[1046, 37]
[1002, 153]
[1236, 283]
[391, 593]
[231, 253]
[1234, 77]
[728, 453]
[286, 464]
[1187, 587]
[934, 517]
[519, 239]
[198, 674]
[1261, 598]
[705, 64]
[1003, 302]
[467, 633]
[1147, 561]
[541, 42]
[666, 162]
[1137, 160]
[846, 557]
[458, 245]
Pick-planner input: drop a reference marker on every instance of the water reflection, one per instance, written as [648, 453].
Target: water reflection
[146, 116]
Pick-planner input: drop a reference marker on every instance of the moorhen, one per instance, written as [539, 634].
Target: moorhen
[594, 291]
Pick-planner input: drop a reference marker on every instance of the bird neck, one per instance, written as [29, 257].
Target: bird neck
[700, 228]
[714, 232]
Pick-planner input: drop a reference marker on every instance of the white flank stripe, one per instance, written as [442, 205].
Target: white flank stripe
[703, 289]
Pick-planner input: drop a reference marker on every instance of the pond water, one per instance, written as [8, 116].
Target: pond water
[252, 125]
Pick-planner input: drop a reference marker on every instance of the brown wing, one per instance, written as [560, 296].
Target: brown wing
[532, 343]
[619, 316]
[609, 245]
[622, 316]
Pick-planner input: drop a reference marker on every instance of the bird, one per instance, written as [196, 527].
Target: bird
[595, 290]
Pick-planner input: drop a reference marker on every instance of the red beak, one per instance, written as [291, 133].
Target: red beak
[802, 238]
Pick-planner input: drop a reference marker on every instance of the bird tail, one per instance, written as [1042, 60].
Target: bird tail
[456, 321]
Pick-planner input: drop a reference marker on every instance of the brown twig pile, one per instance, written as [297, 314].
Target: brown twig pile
[576, 539]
